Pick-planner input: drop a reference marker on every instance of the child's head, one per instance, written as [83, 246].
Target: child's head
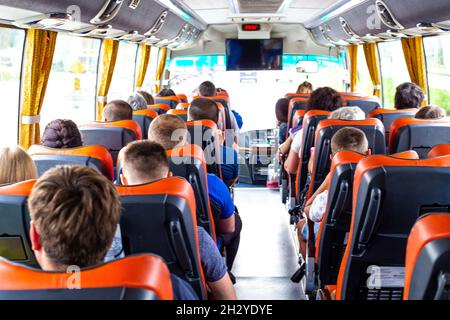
[349, 139]
[74, 214]
[16, 166]
[144, 162]
[431, 112]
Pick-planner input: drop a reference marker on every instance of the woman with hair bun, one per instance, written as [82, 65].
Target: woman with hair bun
[61, 134]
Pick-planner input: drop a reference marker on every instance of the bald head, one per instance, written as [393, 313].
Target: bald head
[168, 130]
[117, 110]
[203, 109]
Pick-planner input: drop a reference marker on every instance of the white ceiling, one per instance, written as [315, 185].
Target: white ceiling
[219, 11]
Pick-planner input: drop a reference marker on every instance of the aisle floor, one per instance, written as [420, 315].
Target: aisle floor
[266, 258]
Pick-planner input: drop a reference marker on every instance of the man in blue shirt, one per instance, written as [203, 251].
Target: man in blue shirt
[170, 131]
[145, 162]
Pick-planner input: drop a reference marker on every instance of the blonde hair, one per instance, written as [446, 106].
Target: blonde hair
[305, 87]
[16, 166]
[348, 113]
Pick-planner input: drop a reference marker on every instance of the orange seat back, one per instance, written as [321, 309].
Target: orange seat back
[160, 108]
[171, 101]
[143, 277]
[439, 151]
[183, 114]
[92, 156]
[182, 98]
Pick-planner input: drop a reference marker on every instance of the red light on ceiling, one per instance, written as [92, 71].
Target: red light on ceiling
[251, 27]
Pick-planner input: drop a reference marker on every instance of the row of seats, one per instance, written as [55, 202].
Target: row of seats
[170, 232]
[371, 207]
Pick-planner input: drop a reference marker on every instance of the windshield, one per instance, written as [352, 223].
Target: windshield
[254, 93]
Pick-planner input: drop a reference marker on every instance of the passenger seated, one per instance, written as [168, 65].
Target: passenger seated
[326, 99]
[431, 113]
[207, 89]
[281, 113]
[61, 134]
[16, 166]
[170, 131]
[305, 88]
[137, 102]
[166, 93]
[408, 96]
[349, 139]
[117, 110]
[145, 162]
[205, 109]
[147, 96]
[74, 213]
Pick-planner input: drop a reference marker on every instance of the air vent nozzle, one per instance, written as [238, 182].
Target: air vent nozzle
[347, 29]
[387, 17]
[158, 24]
[109, 10]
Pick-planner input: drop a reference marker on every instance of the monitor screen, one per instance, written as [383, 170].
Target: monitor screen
[250, 55]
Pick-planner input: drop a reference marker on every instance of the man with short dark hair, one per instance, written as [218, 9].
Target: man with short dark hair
[409, 96]
[207, 89]
[205, 109]
[74, 213]
[117, 110]
[145, 162]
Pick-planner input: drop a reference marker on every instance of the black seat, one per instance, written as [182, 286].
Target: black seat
[367, 104]
[427, 266]
[189, 162]
[160, 218]
[15, 223]
[112, 135]
[204, 134]
[387, 116]
[418, 135]
[144, 118]
[391, 194]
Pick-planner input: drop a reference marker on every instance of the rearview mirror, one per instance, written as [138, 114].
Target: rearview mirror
[307, 66]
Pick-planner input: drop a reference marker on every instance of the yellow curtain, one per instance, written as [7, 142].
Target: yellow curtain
[160, 69]
[39, 50]
[353, 54]
[110, 48]
[373, 64]
[415, 61]
[143, 65]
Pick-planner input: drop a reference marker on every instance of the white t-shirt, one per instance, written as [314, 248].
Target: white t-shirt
[297, 141]
[318, 207]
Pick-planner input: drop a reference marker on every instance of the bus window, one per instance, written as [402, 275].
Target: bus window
[122, 83]
[254, 93]
[365, 84]
[438, 65]
[11, 51]
[393, 70]
[151, 70]
[71, 88]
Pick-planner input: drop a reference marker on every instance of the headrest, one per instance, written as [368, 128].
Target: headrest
[371, 122]
[161, 106]
[407, 155]
[344, 157]
[297, 95]
[427, 229]
[147, 272]
[125, 124]
[215, 98]
[185, 105]
[379, 161]
[173, 186]
[97, 152]
[177, 112]
[168, 98]
[190, 150]
[182, 98]
[361, 98]
[376, 112]
[403, 122]
[204, 123]
[146, 112]
[18, 189]
[315, 113]
[439, 151]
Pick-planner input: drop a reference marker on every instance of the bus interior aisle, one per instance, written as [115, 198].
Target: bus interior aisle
[266, 259]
